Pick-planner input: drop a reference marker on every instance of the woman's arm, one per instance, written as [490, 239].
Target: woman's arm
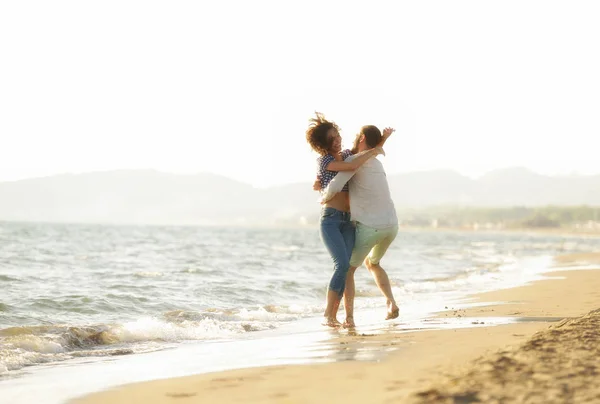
[360, 159]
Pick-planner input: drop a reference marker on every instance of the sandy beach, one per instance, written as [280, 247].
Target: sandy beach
[548, 353]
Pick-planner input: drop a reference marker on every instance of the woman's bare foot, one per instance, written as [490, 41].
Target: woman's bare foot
[349, 323]
[331, 322]
[392, 311]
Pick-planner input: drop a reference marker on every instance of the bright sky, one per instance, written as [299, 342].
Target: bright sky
[228, 86]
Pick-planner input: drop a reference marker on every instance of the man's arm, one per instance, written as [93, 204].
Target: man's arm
[387, 132]
[354, 163]
[337, 183]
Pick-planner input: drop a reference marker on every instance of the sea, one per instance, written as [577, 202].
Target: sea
[75, 294]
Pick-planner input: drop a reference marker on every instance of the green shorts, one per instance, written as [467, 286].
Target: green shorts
[373, 241]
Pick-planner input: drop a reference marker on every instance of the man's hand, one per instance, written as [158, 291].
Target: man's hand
[388, 131]
[317, 184]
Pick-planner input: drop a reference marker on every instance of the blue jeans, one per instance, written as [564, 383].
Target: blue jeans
[338, 234]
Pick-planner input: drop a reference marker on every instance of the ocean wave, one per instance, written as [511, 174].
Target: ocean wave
[373, 292]
[31, 345]
[200, 270]
[103, 288]
[285, 248]
[6, 278]
[486, 268]
[294, 309]
[148, 274]
[478, 279]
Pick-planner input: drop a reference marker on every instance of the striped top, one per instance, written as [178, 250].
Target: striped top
[324, 175]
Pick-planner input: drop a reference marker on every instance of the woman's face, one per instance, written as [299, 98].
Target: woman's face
[336, 140]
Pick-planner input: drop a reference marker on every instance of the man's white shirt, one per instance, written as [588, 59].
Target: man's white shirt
[370, 199]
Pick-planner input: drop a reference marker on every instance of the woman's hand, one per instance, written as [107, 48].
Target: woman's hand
[317, 184]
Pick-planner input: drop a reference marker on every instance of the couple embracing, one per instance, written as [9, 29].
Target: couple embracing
[358, 219]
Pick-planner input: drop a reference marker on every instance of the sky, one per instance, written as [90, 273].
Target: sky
[228, 86]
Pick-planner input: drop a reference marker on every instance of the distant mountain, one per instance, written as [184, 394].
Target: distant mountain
[127, 196]
[498, 188]
[152, 197]
[426, 188]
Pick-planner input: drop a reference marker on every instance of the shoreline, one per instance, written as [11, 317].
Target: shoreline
[412, 360]
[302, 341]
[565, 231]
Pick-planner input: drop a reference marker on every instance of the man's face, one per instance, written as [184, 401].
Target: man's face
[357, 141]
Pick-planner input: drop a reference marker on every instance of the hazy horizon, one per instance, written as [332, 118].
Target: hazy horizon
[152, 197]
[228, 88]
[308, 180]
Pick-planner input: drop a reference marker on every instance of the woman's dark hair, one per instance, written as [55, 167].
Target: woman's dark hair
[316, 134]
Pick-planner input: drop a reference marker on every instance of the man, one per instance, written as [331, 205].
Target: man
[372, 208]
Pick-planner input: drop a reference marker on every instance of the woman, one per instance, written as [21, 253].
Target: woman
[337, 232]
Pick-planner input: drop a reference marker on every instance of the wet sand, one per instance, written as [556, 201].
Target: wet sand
[537, 358]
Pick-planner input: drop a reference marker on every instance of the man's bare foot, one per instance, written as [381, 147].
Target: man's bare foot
[392, 311]
[331, 322]
[349, 323]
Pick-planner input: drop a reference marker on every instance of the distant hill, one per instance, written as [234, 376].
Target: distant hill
[499, 188]
[152, 197]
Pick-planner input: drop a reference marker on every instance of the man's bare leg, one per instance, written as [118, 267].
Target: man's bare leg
[383, 283]
[349, 293]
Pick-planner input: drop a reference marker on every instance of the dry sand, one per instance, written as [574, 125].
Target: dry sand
[559, 365]
[488, 364]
